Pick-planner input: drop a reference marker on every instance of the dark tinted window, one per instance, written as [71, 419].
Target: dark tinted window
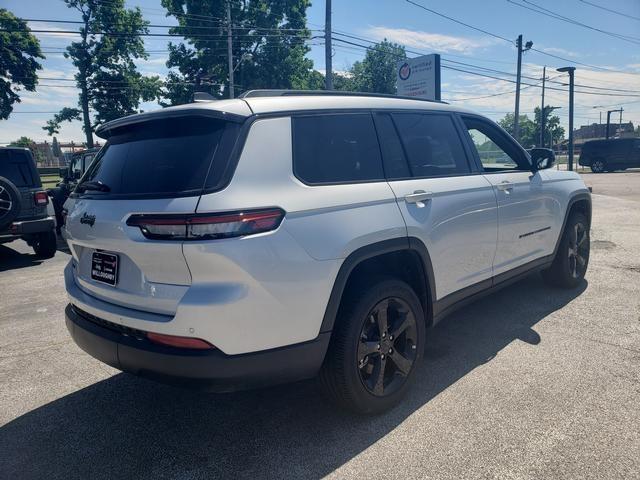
[395, 163]
[16, 166]
[169, 156]
[336, 148]
[432, 144]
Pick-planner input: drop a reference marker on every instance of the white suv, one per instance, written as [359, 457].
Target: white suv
[282, 235]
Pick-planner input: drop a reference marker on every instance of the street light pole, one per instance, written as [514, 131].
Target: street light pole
[571, 71]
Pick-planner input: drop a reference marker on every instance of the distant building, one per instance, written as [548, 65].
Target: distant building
[599, 130]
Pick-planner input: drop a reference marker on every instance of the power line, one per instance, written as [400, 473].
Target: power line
[625, 15]
[460, 22]
[512, 42]
[491, 76]
[549, 13]
[189, 27]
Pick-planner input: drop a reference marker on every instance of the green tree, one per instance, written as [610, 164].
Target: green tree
[377, 72]
[527, 129]
[553, 132]
[268, 47]
[19, 51]
[26, 142]
[106, 76]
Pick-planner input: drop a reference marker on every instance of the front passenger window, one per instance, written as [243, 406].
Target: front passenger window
[496, 153]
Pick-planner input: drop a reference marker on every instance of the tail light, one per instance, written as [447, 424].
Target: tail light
[179, 342]
[208, 226]
[41, 198]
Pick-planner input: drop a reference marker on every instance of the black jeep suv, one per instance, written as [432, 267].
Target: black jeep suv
[70, 175]
[609, 155]
[23, 203]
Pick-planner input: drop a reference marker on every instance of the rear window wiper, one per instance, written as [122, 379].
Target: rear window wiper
[97, 186]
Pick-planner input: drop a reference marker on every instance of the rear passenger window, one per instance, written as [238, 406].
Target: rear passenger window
[432, 144]
[336, 149]
[16, 167]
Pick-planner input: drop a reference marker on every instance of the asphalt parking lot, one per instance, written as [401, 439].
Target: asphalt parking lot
[530, 382]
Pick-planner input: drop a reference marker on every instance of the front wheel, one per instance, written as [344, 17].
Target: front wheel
[375, 348]
[45, 244]
[598, 166]
[572, 258]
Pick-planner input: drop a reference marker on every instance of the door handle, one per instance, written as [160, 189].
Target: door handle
[505, 186]
[418, 197]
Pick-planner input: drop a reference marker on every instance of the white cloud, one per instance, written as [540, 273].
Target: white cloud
[54, 30]
[559, 51]
[428, 41]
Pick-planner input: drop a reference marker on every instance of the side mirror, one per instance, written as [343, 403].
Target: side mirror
[77, 174]
[63, 172]
[542, 158]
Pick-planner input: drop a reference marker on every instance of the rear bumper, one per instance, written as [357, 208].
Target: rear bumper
[128, 350]
[28, 227]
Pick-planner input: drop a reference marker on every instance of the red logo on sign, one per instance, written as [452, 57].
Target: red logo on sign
[405, 71]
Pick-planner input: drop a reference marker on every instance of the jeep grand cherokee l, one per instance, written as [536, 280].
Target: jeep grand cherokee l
[279, 236]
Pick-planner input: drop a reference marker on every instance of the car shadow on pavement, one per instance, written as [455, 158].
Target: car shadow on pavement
[126, 427]
[12, 259]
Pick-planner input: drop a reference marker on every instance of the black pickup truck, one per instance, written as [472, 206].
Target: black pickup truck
[23, 203]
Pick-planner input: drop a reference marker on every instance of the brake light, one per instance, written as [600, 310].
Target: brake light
[179, 342]
[208, 226]
[41, 198]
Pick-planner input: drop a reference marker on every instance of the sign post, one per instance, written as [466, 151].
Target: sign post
[419, 77]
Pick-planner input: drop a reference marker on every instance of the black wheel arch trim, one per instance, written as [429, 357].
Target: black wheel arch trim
[358, 256]
[579, 197]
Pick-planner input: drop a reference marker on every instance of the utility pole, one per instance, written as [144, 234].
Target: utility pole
[328, 74]
[571, 71]
[543, 117]
[230, 49]
[609, 112]
[516, 120]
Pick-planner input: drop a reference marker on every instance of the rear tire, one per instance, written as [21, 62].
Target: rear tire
[376, 346]
[572, 258]
[598, 165]
[45, 244]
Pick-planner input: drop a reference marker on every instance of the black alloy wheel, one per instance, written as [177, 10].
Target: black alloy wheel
[387, 348]
[578, 250]
[598, 166]
[376, 346]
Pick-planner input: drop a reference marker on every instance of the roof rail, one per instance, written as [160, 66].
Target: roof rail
[341, 93]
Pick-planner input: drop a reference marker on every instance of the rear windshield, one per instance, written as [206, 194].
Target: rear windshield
[174, 156]
[17, 166]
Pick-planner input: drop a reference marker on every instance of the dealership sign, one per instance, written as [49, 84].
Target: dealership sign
[419, 77]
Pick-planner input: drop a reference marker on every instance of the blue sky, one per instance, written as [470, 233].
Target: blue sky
[419, 31]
